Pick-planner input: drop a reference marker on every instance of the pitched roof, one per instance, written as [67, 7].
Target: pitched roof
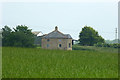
[57, 34]
[37, 33]
[68, 35]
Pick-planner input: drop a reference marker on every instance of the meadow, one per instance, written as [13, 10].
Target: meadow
[41, 63]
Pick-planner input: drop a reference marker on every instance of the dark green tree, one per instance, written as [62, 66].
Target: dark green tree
[7, 36]
[0, 37]
[88, 36]
[21, 36]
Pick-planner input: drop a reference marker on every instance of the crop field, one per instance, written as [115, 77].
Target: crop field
[41, 63]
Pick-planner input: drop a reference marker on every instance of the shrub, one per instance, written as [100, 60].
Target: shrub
[106, 45]
[98, 45]
[116, 45]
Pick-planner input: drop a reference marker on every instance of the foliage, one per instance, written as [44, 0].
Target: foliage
[88, 36]
[7, 36]
[41, 63]
[95, 48]
[115, 45]
[84, 48]
[21, 36]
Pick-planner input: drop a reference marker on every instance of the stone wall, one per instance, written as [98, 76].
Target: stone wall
[63, 44]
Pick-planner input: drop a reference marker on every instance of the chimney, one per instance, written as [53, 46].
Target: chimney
[56, 28]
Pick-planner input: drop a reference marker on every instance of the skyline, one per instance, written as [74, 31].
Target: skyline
[69, 17]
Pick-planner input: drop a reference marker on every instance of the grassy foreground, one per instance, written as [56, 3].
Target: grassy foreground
[40, 63]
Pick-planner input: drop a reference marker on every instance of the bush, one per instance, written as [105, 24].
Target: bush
[106, 45]
[79, 47]
[98, 45]
[116, 45]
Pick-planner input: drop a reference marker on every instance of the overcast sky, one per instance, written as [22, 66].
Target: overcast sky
[70, 17]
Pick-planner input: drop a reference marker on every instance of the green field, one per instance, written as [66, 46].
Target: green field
[41, 63]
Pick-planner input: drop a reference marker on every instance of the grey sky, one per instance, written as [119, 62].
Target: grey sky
[69, 17]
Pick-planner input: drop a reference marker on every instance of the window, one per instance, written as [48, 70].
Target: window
[69, 45]
[60, 45]
[47, 45]
[48, 40]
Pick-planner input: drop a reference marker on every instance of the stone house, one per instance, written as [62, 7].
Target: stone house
[57, 40]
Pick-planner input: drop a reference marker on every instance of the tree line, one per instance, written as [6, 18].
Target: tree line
[22, 36]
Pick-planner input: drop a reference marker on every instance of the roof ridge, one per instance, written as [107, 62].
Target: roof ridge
[56, 34]
[49, 33]
[61, 33]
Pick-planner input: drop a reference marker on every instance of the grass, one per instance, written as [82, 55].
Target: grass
[41, 63]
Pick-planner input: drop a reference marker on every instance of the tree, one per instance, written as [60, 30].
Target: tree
[6, 36]
[88, 36]
[21, 36]
[0, 37]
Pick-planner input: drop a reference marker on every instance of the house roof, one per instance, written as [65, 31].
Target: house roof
[37, 33]
[57, 34]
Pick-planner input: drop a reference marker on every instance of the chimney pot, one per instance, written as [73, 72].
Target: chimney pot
[56, 28]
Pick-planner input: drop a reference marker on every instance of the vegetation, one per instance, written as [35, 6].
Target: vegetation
[41, 63]
[88, 36]
[96, 49]
[89, 61]
[115, 45]
[21, 36]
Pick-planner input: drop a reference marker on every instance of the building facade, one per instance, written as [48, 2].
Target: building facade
[57, 40]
